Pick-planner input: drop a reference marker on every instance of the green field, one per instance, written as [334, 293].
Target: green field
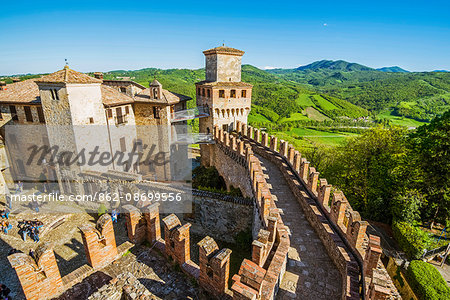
[255, 117]
[306, 137]
[399, 121]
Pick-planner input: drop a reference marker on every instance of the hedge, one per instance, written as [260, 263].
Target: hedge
[411, 239]
[426, 282]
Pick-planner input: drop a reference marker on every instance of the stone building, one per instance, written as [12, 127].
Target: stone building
[222, 93]
[78, 113]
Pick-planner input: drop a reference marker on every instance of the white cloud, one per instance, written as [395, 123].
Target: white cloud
[269, 68]
[325, 24]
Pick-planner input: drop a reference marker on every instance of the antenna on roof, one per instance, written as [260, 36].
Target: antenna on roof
[67, 63]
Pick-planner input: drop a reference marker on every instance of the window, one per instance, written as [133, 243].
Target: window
[12, 140]
[138, 145]
[54, 93]
[233, 93]
[20, 167]
[40, 114]
[91, 120]
[221, 93]
[156, 112]
[109, 112]
[127, 109]
[198, 91]
[13, 111]
[244, 94]
[119, 115]
[203, 92]
[1, 116]
[123, 90]
[123, 146]
[45, 141]
[28, 115]
[208, 93]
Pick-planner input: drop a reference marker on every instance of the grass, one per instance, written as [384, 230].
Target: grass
[314, 114]
[400, 121]
[307, 137]
[295, 117]
[324, 103]
[304, 100]
[255, 117]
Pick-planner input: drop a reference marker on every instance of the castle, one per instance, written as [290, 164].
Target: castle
[308, 242]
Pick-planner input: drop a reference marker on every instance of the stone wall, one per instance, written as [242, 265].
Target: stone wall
[219, 216]
[339, 227]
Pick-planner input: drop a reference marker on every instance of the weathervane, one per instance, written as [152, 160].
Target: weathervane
[67, 63]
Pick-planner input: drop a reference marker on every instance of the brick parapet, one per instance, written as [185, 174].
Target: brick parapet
[344, 218]
[39, 276]
[99, 242]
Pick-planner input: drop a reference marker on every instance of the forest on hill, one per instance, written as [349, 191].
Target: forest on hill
[420, 96]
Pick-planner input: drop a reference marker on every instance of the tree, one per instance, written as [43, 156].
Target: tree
[430, 144]
[369, 169]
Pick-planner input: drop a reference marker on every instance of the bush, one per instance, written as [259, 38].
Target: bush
[411, 239]
[426, 282]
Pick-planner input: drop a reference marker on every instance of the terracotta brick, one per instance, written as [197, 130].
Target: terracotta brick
[100, 242]
[40, 278]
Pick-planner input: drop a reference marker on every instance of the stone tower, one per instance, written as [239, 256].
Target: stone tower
[223, 95]
[75, 120]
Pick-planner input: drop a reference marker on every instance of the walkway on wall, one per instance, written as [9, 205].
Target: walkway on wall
[310, 273]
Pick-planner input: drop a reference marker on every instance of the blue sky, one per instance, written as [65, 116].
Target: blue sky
[37, 36]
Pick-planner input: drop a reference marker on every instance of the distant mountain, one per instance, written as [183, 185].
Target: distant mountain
[445, 71]
[394, 69]
[338, 65]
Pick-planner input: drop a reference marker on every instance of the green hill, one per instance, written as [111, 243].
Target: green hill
[339, 65]
[393, 69]
[274, 98]
[427, 94]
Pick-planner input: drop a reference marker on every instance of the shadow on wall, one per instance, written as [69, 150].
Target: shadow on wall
[8, 275]
[89, 285]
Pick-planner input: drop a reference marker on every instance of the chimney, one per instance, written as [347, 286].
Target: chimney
[15, 79]
[2, 86]
[98, 75]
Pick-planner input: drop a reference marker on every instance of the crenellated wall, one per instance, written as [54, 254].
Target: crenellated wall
[339, 227]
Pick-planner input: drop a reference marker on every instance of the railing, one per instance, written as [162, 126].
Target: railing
[433, 252]
[193, 138]
[189, 114]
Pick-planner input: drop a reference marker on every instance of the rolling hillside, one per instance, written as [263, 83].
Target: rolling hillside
[420, 96]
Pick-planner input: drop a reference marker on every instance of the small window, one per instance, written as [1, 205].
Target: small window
[109, 113]
[40, 114]
[127, 109]
[54, 93]
[28, 114]
[221, 93]
[120, 117]
[233, 93]
[12, 140]
[123, 146]
[156, 112]
[13, 111]
[138, 145]
[91, 120]
[198, 91]
[208, 93]
[1, 116]
[123, 90]
[244, 94]
[20, 166]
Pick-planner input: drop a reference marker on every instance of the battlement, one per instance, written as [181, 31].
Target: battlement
[348, 248]
[38, 275]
